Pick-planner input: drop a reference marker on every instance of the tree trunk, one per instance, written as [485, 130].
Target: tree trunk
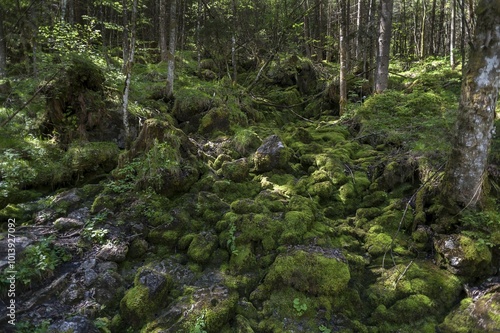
[125, 37]
[467, 165]
[452, 34]
[384, 45]
[171, 49]
[358, 29]
[233, 42]
[163, 31]
[128, 73]
[343, 56]
[3, 47]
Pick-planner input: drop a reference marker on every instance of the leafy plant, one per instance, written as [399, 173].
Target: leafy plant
[231, 242]
[38, 261]
[25, 327]
[299, 307]
[199, 326]
[324, 329]
[91, 232]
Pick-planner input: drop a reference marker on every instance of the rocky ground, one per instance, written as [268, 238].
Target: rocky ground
[293, 223]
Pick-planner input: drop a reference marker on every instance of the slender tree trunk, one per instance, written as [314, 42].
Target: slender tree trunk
[128, 72]
[343, 56]
[171, 49]
[233, 42]
[467, 165]
[198, 40]
[358, 29]
[423, 30]
[329, 33]
[452, 33]
[307, 46]
[384, 45]
[163, 31]
[3, 47]
[432, 46]
[440, 40]
[125, 38]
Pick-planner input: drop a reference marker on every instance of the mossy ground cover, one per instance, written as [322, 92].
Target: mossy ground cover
[329, 239]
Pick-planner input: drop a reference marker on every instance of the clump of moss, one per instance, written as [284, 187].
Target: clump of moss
[150, 291]
[191, 102]
[201, 247]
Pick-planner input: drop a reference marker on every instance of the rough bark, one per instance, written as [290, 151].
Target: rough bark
[384, 45]
[171, 49]
[163, 31]
[467, 165]
[452, 34]
[343, 56]
[3, 47]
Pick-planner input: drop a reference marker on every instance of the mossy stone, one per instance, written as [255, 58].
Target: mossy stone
[201, 247]
[137, 248]
[308, 272]
[220, 160]
[245, 206]
[149, 293]
[236, 171]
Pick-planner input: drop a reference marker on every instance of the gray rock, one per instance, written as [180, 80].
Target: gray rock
[66, 223]
[76, 324]
[272, 154]
[113, 252]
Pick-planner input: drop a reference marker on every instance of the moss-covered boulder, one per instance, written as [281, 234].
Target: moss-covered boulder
[272, 154]
[236, 171]
[309, 269]
[202, 246]
[410, 296]
[462, 255]
[150, 291]
[474, 316]
[190, 103]
[156, 131]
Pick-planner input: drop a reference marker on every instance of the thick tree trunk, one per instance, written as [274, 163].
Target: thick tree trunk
[384, 45]
[3, 47]
[467, 165]
[171, 49]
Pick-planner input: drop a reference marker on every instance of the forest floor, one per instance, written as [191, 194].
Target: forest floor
[243, 211]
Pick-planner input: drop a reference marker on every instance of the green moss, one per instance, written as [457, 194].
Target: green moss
[139, 305]
[377, 243]
[137, 248]
[243, 260]
[245, 206]
[310, 273]
[246, 141]
[236, 170]
[190, 102]
[201, 247]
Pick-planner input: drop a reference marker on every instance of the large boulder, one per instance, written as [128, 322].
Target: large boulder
[272, 154]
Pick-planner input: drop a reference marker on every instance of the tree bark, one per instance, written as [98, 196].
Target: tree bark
[171, 49]
[467, 165]
[452, 33]
[3, 47]
[384, 45]
[343, 56]
[128, 73]
[163, 31]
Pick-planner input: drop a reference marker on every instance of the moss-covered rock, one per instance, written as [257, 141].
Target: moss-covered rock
[481, 315]
[272, 154]
[201, 247]
[462, 255]
[191, 102]
[236, 171]
[150, 291]
[311, 270]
